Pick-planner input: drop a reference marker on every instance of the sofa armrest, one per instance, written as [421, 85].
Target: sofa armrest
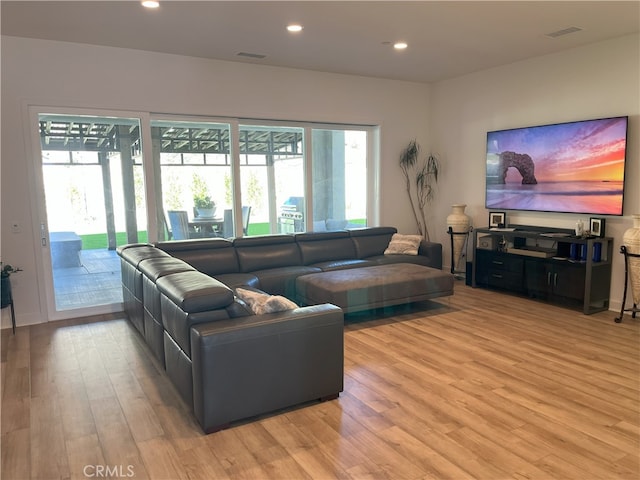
[261, 363]
[433, 251]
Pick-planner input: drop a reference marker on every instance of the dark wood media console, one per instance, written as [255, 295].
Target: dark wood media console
[550, 264]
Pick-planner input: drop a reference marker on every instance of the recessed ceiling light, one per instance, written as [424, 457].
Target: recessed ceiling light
[400, 45]
[150, 4]
[295, 28]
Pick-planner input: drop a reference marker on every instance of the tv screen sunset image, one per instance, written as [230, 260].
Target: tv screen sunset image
[569, 167]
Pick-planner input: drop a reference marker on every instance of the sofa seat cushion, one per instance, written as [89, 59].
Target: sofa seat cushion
[281, 281]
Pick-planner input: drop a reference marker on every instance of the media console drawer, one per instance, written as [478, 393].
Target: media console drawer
[507, 264]
[505, 279]
[498, 261]
[500, 270]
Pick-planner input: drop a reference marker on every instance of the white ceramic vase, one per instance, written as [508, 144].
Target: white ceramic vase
[459, 223]
[631, 240]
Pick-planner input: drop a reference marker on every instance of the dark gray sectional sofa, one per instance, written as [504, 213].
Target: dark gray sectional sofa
[226, 362]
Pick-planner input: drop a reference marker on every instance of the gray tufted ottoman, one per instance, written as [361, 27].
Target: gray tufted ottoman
[373, 287]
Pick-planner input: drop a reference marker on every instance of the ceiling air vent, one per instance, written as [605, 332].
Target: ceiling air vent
[564, 31]
[250, 55]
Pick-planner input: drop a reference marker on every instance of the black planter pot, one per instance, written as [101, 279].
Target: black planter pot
[5, 289]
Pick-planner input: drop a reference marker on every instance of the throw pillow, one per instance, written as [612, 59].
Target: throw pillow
[403, 244]
[264, 303]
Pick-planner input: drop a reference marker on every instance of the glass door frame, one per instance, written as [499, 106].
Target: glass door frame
[44, 268]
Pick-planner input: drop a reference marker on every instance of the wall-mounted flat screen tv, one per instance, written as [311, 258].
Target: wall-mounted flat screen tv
[574, 167]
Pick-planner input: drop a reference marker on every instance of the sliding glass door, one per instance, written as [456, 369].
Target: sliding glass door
[92, 178]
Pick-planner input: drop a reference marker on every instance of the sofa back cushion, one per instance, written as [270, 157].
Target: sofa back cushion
[371, 241]
[130, 257]
[316, 247]
[194, 292]
[156, 267]
[135, 253]
[189, 298]
[214, 256]
[267, 251]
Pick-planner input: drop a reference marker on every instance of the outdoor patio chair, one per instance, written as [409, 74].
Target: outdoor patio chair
[180, 229]
[246, 212]
[227, 226]
[227, 229]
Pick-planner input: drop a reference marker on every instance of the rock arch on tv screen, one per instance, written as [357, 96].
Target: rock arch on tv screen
[521, 162]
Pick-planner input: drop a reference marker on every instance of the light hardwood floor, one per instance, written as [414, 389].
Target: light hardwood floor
[478, 385]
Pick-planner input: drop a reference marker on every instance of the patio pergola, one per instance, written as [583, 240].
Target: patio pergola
[107, 136]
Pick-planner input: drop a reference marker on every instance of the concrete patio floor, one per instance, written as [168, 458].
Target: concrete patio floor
[96, 282]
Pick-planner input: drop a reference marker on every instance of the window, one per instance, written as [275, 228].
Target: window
[194, 195]
[280, 167]
[272, 178]
[275, 176]
[339, 179]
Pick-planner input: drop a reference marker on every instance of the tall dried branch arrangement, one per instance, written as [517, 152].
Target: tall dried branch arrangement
[420, 179]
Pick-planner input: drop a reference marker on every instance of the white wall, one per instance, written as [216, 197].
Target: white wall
[595, 81]
[36, 72]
